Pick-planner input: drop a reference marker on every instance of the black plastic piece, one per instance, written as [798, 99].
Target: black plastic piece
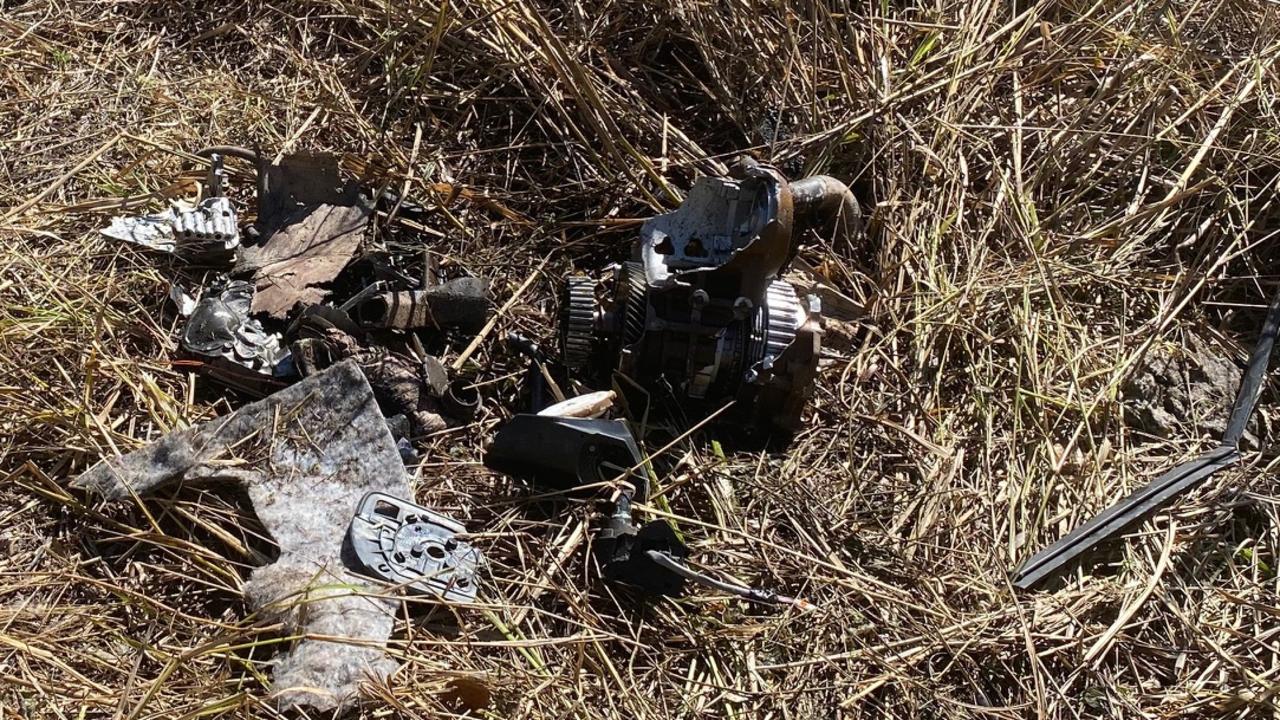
[569, 453]
[1159, 492]
[622, 551]
[565, 453]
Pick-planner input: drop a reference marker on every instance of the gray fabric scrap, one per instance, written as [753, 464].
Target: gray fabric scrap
[307, 455]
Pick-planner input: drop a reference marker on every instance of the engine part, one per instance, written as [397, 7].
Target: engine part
[406, 544]
[206, 232]
[701, 304]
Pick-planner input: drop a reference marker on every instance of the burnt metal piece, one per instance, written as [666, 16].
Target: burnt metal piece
[460, 400]
[462, 302]
[701, 305]
[311, 220]
[206, 232]
[566, 453]
[235, 348]
[1116, 519]
[822, 200]
[536, 381]
[405, 544]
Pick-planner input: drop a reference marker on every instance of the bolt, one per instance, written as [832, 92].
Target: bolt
[699, 298]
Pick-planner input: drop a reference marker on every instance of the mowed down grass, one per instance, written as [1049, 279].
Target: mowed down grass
[1055, 190]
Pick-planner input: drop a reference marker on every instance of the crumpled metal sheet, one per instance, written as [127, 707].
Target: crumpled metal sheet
[218, 325]
[307, 455]
[208, 231]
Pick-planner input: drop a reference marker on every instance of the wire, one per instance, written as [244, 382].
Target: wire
[746, 593]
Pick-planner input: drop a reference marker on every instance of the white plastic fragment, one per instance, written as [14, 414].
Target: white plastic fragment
[590, 405]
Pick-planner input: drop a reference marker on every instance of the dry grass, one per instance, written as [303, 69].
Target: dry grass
[1055, 190]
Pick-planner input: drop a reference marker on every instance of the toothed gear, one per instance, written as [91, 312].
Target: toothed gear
[783, 316]
[578, 310]
[632, 291]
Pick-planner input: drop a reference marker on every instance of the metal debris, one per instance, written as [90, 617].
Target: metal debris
[235, 347]
[701, 305]
[307, 455]
[406, 544]
[462, 303]
[311, 223]
[206, 231]
[575, 454]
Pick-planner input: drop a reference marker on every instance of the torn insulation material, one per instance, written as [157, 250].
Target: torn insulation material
[307, 455]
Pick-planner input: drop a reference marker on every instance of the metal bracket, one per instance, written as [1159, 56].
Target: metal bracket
[406, 544]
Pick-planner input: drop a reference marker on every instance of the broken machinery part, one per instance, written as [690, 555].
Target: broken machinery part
[207, 232]
[307, 456]
[1116, 519]
[462, 303]
[633, 555]
[576, 454]
[406, 544]
[230, 346]
[701, 303]
[566, 453]
[542, 388]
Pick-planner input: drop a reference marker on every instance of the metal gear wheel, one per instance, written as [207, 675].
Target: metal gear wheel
[782, 316]
[632, 306]
[578, 312]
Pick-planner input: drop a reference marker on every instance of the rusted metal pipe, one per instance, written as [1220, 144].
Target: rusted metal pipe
[822, 199]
